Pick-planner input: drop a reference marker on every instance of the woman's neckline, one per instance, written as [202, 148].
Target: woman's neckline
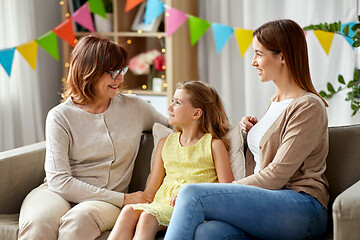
[84, 109]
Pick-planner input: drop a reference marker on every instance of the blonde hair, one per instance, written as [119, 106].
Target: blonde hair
[91, 57]
[214, 119]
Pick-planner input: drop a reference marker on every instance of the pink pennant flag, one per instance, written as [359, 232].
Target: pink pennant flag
[83, 17]
[174, 19]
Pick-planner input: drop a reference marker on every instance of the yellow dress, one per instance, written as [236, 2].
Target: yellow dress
[183, 165]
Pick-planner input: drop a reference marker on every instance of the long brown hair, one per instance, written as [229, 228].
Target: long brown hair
[91, 57]
[214, 119]
[287, 37]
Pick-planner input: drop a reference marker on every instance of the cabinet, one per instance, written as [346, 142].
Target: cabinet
[181, 57]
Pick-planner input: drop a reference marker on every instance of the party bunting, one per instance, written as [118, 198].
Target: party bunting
[244, 38]
[174, 19]
[325, 39]
[48, 42]
[130, 4]
[222, 33]
[83, 17]
[29, 52]
[197, 28]
[154, 8]
[65, 31]
[6, 59]
[350, 34]
[97, 7]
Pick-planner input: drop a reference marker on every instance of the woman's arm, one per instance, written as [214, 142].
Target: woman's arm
[222, 161]
[157, 173]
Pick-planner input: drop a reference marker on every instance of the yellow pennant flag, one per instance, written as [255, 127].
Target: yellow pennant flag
[244, 38]
[325, 39]
[29, 52]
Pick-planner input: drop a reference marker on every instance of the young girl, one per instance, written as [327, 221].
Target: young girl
[195, 153]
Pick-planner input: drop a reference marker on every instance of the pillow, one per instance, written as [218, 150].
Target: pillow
[236, 150]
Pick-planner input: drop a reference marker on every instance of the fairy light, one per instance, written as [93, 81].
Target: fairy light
[162, 76]
[61, 3]
[163, 50]
[165, 85]
[67, 65]
[139, 31]
[130, 92]
[67, 15]
[129, 41]
[76, 41]
[164, 68]
[159, 36]
[167, 14]
[144, 87]
[63, 80]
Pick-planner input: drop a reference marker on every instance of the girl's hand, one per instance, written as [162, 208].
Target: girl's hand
[172, 201]
[247, 123]
[137, 197]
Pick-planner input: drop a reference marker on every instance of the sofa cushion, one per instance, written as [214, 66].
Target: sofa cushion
[9, 226]
[236, 153]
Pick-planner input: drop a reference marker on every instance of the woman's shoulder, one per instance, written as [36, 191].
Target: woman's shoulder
[62, 108]
[310, 100]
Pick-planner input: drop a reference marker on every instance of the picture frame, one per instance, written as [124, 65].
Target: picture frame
[139, 23]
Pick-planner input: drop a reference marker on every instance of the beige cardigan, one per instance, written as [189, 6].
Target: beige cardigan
[293, 151]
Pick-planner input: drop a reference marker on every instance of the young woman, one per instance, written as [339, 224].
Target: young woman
[196, 153]
[285, 194]
[92, 139]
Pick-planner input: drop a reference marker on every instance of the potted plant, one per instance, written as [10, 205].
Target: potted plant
[353, 85]
[105, 24]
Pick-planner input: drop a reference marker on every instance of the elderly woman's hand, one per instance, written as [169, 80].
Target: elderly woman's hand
[137, 197]
[247, 123]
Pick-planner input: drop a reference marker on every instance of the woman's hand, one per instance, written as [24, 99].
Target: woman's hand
[172, 201]
[137, 197]
[247, 123]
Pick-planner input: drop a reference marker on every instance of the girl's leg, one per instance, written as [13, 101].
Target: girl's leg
[217, 230]
[147, 227]
[124, 227]
[260, 213]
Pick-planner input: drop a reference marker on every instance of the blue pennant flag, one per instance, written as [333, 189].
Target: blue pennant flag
[222, 33]
[153, 9]
[6, 59]
[351, 32]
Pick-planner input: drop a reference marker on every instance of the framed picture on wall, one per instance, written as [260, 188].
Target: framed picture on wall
[139, 21]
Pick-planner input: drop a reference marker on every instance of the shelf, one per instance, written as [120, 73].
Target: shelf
[123, 34]
[144, 92]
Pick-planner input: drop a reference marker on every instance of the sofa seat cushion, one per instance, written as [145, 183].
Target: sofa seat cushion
[9, 226]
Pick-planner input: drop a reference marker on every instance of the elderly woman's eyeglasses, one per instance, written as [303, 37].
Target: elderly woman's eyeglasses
[116, 73]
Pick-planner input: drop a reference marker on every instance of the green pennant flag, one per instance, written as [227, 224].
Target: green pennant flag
[49, 43]
[97, 7]
[197, 28]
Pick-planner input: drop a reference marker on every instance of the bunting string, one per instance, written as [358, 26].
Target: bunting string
[175, 18]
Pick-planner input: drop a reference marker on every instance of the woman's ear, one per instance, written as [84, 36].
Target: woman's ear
[198, 113]
[282, 59]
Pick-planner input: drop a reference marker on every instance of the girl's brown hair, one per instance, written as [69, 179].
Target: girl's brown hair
[214, 119]
[91, 57]
[287, 37]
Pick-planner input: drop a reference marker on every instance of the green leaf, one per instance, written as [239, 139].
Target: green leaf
[332, 27]
[341, 79]
[330, 88]
[355, 27]
[350, 84]
[359, 18]
[307, 28]
[356, 44]
[356, 74]
[323, 94]
[346, 30]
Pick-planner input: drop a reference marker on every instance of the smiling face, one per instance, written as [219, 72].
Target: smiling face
[106, 88]
[181, 112]
[268, 64]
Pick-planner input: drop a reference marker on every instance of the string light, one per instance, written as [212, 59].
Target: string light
[63, 80]
[162, 76]
[164, 68]
[163, 50]
[61, 3]
[159, 36]
[76, 41]
[67, 65]
[167, 14]
[165, 85]
[129, 41]
[139, 31]
[67, 15]
[130, 92]
[144, 87]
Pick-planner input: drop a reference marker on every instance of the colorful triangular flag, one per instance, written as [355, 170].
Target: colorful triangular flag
[325, 39]
[29, 52]
[6, 59]
[197, 28]
[97, 7]
[154, 8]
[244, 38]
[130, 4]
[222, 33]
[65, 31]
[49, 43]
[350, 34]
[83, 17]
[174, 19]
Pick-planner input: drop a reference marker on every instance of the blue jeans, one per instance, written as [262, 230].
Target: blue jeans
[233, 211]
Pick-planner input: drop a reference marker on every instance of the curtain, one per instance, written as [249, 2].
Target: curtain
[235, 78]
[21, 122]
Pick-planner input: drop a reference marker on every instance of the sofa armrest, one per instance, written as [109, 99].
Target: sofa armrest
[21, 170]
[346, 213]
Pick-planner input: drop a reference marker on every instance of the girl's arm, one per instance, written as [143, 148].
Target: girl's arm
[222, 161]
[157, 173]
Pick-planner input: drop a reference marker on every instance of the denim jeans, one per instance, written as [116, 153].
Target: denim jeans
[233, 211]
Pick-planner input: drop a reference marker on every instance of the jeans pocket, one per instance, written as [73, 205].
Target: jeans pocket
[317, 225]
